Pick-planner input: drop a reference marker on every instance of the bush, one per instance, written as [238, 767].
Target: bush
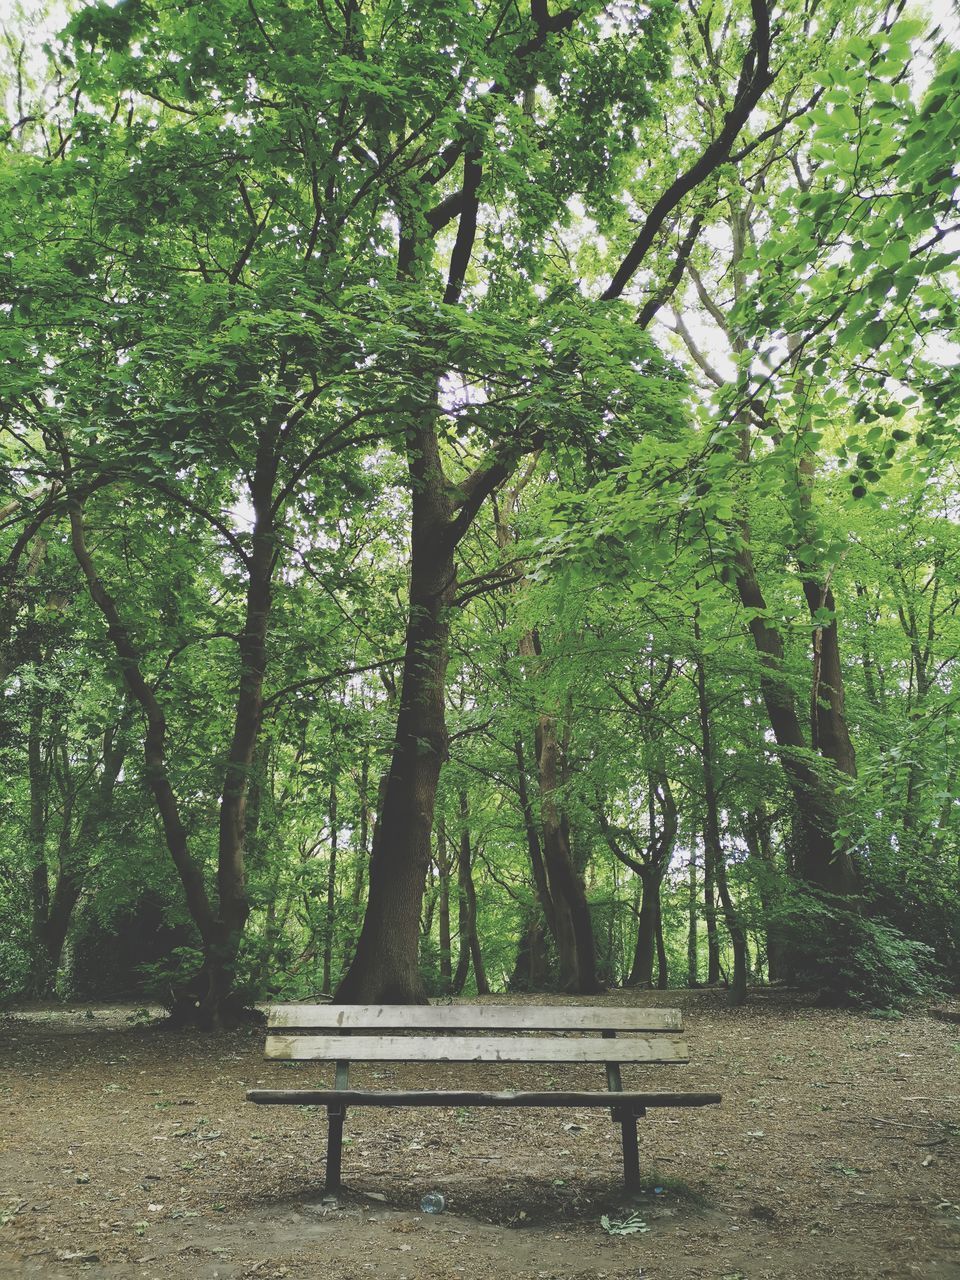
[14, 969]
[167, 980]
[124, 951]
[849, 958]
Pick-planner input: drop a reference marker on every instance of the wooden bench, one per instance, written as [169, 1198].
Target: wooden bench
[476, 1033]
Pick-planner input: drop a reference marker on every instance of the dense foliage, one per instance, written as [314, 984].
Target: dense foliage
[478, 499]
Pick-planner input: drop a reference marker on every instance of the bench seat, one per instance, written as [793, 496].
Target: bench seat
[465, 1098]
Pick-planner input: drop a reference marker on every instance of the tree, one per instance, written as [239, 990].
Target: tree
[381, 388]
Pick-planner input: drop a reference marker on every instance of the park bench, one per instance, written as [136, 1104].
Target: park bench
[517, 1033]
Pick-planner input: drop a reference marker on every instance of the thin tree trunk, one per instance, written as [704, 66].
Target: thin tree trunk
[693, 975]
[818, 814]
[558, 880]
[609, 970]
[710, 913]
[429, 908]
[820, 863]
[443, 868]
[663, 968]
[233, 902]
[220, 930]
[713, 842]
[363, 852]
[359, 879]
[830, 734]
[37, 842]
[13, 591]
[74, 856]
[649, 865]
[757, 835]
[738, 936]
[534, 847]
[479, 970]
[469, 940]
[328, 926]
[154, 748]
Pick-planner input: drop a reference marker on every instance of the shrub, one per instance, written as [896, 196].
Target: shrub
[850, 958]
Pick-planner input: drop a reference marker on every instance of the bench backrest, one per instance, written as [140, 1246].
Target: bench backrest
[474, 1033]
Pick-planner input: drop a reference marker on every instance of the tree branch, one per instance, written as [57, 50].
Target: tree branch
[466, 231]
[653, 304]
[755, 78]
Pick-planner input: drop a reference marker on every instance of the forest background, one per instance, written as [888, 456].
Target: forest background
[478, 499]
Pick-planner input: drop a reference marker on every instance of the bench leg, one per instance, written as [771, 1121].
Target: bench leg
[631, 1153]
[335, 1116]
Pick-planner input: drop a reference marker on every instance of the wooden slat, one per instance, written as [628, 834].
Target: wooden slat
[480, 1017]
[473, 1049]
[464, 1098]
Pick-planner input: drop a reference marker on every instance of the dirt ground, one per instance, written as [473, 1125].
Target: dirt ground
[129, 1152]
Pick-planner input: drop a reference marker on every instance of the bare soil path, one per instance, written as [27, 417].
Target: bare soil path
[128, 1152]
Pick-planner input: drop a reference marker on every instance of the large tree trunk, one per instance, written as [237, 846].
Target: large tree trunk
[828, 722]
[385, 966]
[575, 943]
[531, 969]
[641, 971]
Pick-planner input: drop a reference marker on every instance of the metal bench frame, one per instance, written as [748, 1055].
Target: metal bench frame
[324, 1032]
